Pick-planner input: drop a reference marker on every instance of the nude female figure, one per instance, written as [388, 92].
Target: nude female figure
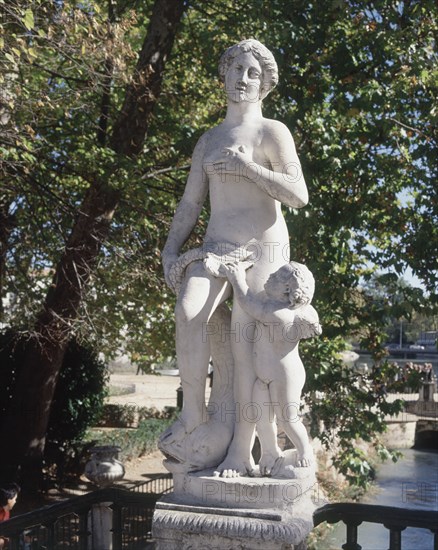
[248, 165]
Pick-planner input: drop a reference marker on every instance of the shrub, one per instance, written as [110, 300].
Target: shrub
[77, 403]
[133, 442]
[118, 416]
[78, 398]
[114, 415]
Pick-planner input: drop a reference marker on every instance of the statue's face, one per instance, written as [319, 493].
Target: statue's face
[278, 284]
[244, 79]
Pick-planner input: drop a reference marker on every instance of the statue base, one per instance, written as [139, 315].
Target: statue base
[236, 513]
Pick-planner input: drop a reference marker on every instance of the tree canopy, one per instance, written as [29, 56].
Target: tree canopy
[357, 90]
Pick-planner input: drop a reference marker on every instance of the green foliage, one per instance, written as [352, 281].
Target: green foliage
[355, 466]
[127, 416]
[347, 407]
[79, 394]
[78, 400]
[357, 90]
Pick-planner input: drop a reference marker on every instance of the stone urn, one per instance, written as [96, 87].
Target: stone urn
[104, 468]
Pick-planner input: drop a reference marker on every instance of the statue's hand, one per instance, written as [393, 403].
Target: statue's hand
[240, 154]
[233, 162]
[168, 261]
[235, 272]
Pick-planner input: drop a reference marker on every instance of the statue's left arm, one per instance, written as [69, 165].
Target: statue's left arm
[281, 178]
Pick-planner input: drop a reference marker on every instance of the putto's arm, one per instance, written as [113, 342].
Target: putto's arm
[250, 303]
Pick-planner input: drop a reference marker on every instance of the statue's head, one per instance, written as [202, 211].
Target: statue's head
[301, 285]
[264, 57]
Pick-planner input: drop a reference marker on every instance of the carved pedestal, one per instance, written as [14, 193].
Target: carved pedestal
[207, 512]
[103, 469]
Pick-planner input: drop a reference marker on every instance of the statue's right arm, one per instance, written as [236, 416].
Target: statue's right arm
[189, 208]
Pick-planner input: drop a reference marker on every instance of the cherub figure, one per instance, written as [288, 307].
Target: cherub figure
[283, 317]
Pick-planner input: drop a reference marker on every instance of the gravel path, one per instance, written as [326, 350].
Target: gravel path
[149, 390]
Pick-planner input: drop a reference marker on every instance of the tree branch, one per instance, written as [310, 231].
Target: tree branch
[130, 129]
[419, 132]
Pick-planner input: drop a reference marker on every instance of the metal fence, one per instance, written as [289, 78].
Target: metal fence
[69, 524]
[396, 520]
[159, 485]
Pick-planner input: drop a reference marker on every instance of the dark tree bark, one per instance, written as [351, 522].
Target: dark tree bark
[6, 225]
[142, 93]
[23, 429]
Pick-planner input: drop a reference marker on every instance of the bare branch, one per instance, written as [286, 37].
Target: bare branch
[416, 130]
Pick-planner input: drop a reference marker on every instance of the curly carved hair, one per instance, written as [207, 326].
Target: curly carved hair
[261, 53]
[306, 285]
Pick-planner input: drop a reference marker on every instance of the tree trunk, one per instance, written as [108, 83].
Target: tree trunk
[23, 429]
[6, 225]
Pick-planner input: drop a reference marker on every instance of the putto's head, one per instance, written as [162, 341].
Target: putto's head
[301, 285]
[264, 57]
[292, 283]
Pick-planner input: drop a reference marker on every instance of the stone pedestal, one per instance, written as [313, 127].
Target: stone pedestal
[207, 512]
[427, 390]
[103, 469]
[101, 524]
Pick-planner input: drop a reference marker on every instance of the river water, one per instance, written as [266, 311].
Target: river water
[410, 483]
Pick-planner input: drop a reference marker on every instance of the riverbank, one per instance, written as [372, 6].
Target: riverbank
[411, 483]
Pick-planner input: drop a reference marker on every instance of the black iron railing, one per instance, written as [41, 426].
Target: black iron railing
[395, 520]
[68, 524]
[161, 484]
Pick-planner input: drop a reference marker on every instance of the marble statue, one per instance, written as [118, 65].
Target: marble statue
[248, 166]
[283, 317]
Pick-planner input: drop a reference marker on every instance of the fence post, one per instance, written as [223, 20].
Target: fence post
[179, 398]
[351, 543]
[103, 469]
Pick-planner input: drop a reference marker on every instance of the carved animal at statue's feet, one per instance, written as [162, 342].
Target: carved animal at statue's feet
[202, 448]
[206, 445]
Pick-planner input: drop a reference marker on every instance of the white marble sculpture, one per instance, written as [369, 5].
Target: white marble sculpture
[249, 167]
[283, 317]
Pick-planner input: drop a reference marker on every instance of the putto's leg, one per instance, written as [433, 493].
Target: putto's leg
[266, 428]
[285, 392]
